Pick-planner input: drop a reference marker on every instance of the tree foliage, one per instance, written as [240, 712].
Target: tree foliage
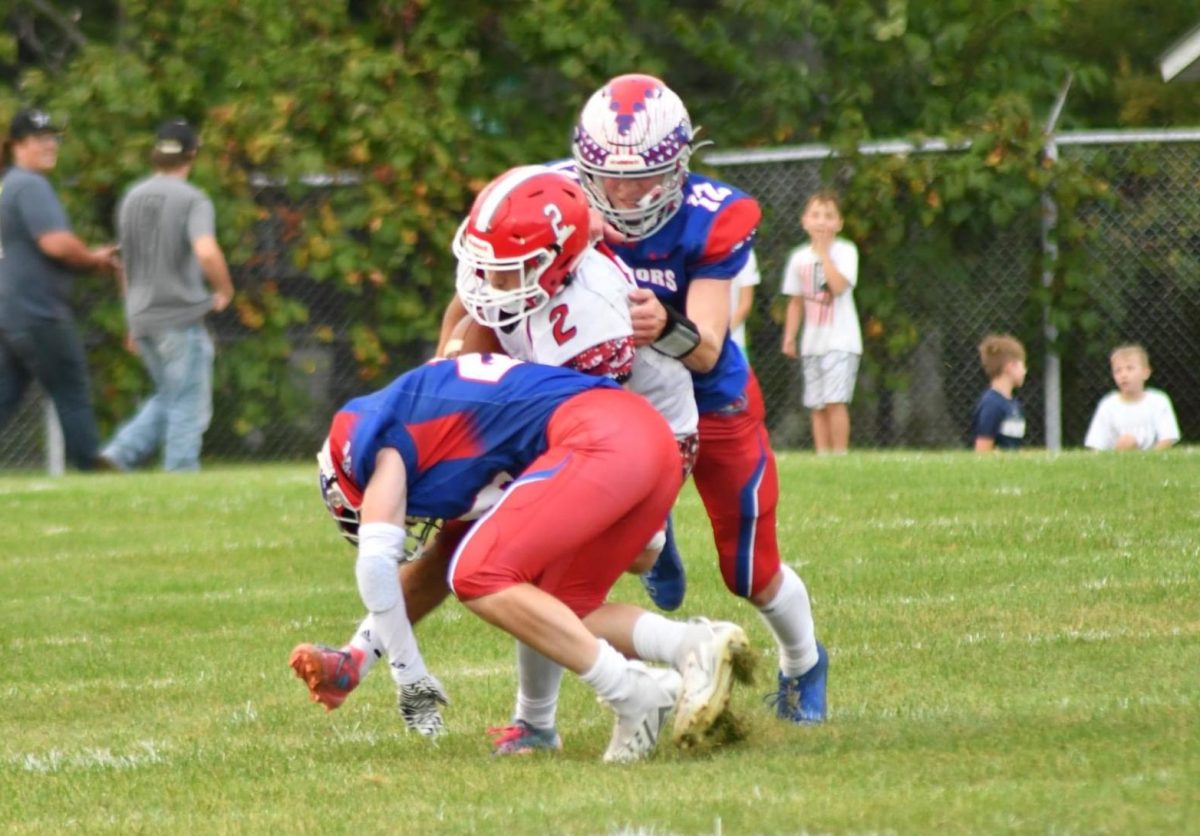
[416, 104]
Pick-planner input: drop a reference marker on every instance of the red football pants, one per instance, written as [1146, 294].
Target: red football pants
[576, 518]
[736, 478]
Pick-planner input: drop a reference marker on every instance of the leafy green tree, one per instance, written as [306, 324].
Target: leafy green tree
[344, 141]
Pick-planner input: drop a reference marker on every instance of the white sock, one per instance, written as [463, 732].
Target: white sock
[396, 635]
[657, 639]
[366, 640]
[789, 615]
[537, 692]
[608, 675]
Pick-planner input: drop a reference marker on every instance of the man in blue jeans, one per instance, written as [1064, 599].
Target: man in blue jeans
[39, 256]
[168, 249]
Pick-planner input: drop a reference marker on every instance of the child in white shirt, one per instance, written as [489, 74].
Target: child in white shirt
[1133, 417]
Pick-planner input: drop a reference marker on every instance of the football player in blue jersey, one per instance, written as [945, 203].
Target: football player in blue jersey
[685, 236]
[576, 511]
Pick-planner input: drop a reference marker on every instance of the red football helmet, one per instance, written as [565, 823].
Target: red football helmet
[526, 232]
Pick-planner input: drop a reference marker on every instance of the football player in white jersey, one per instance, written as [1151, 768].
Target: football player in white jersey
[528, 272]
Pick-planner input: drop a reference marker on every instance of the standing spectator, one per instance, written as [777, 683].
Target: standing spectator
[822, 275]
[1133, 417]
[166, 228]
[999, 420]
[38, 256]
[741, 301]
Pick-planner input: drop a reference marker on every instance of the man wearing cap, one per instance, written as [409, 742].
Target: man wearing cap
[168, 250]
[39, 255]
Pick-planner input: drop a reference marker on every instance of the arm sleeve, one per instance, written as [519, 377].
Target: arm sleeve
[612, 359]
[201, 219]
[988, 417]
[40, 209]
[728, 245]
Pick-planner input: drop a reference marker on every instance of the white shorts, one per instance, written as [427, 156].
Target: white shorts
[829, 378]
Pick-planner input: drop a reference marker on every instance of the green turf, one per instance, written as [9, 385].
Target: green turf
[1015, 647]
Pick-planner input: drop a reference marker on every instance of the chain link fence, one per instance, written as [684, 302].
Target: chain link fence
[1145, 253]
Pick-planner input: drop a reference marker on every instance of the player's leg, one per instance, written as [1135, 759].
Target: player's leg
[533, 726]
[566, 529]
[709, 655]
[666, 581]
[736, 477]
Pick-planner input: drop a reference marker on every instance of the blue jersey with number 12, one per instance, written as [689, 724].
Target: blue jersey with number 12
[458, 424]
[709, 237]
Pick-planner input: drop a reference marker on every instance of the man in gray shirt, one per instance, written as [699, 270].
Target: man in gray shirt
[168, 249]
[39, 255]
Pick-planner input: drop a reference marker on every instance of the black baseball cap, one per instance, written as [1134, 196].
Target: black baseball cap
[176, 136]
[32, 122]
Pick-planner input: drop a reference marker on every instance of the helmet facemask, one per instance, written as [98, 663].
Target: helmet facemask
[531, 223]
[634, 127]
[491, 306]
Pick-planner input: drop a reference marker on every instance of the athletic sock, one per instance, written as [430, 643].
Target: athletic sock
[537, 692]
[365, 646]
[789, 615]
[608, 675]
[657, 639]
[396, 634]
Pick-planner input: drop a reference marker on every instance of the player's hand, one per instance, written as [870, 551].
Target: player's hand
[649, 318]
[789, 348]
[131, 344]
[221, 300]
[1127, 442]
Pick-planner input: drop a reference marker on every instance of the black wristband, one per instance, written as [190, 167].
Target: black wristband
[679, 336]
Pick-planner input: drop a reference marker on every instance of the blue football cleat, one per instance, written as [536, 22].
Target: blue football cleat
[801, 699]
[666, 582]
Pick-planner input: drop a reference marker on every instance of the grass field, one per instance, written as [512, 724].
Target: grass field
[1015, 647]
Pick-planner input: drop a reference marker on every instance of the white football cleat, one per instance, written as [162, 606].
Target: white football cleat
[642, 715]
[712, 655]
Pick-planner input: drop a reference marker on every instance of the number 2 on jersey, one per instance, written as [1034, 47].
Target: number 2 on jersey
[558, 317]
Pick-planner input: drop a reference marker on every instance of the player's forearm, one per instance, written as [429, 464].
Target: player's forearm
[705, 355]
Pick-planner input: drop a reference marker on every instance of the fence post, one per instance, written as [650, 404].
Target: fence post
[1053, 379]
[55, 446]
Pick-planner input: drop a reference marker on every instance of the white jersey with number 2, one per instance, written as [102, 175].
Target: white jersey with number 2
[589, 311]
